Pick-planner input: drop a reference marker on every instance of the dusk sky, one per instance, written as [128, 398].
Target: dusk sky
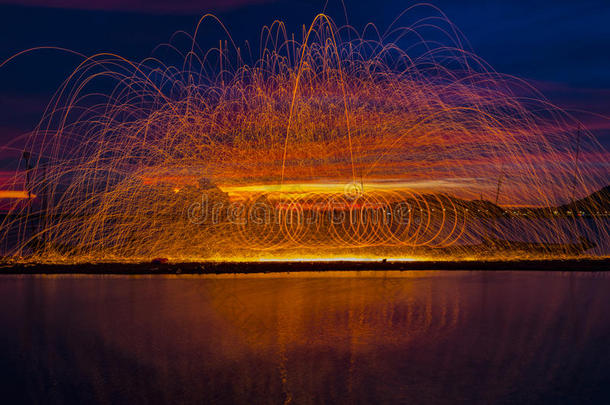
[560, 46]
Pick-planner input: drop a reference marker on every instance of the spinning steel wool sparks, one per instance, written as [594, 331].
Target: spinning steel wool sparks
[339, 143]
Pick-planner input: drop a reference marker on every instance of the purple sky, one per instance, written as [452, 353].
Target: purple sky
[560, 46]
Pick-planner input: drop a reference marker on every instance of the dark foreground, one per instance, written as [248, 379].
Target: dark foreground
[601, 264]
[426, 337]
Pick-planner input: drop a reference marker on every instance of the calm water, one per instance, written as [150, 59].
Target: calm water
[417, 338]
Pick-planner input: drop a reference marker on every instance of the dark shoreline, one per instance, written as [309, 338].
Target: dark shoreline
[574, 265]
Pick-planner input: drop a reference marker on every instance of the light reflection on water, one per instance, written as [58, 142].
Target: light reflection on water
[410, 337]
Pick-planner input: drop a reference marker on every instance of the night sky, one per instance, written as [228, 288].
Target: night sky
[562, 47]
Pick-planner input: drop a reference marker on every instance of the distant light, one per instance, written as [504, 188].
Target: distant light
[19, 194]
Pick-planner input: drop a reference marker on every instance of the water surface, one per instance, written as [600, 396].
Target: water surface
[397, 337]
